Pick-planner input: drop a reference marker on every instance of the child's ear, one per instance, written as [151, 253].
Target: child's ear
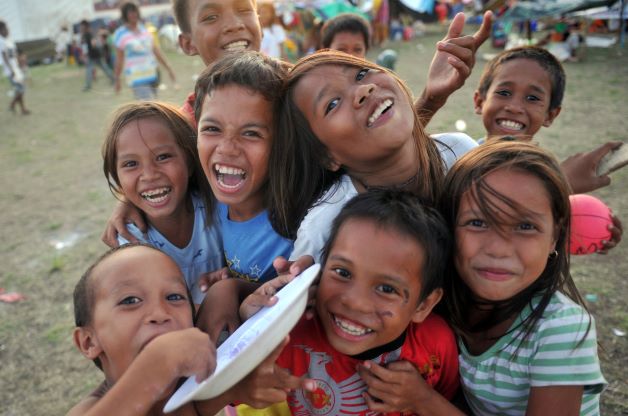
[86, 342]
[426, 306]
[333, 165]
[478, 102]
[186, 44]
[551, 115]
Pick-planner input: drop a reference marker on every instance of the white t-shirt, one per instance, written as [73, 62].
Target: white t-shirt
[316, 226]
[272, 39]
[7, 46]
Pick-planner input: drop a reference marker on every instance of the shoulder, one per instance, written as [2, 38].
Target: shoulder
[564, 316]
[433, 330]
[452, 146]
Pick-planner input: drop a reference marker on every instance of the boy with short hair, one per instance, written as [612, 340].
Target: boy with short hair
[347, 32]
[374, 339]
[520, 91]
[132, 310]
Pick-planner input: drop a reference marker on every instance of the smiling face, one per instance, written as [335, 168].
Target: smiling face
[234, 138]
[498, 264]
[361, 115]
[517, 101]
[139, 293]
[349, 42]
[220, 27]
[152, 169]
[370, 286]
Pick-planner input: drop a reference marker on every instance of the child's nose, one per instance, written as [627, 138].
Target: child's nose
[228, 147]
[150, 171]
[357, 299]
[362, 93]
[232, 22]
[498, 244]
[159, 314]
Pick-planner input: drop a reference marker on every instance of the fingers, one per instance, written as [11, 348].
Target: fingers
[485, 29]
[455, 27]
[281, 265]
[110, 236]
[300, 264]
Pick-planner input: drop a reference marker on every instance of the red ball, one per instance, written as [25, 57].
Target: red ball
[590, 218]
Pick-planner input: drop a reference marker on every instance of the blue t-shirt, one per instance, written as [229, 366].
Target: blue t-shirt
[251, 246]
[203, 253]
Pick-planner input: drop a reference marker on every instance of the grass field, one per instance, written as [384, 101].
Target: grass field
[56, 202]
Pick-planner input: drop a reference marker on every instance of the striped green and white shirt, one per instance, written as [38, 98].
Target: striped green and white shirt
[498, 381]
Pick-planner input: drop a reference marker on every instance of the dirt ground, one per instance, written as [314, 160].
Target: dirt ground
[56, 202]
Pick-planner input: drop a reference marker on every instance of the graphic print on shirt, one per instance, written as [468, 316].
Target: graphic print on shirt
[333, 397]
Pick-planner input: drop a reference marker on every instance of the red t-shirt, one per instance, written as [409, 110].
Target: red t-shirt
[430, 346]
[188, 108]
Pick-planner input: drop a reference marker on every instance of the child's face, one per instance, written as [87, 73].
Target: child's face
[498, 266]
[370, 286]
[139, 294]
[219, 27]
[362, 116]
[349, 42]
[234, 138]
[152, 168]
[517, 101]
[266, 14]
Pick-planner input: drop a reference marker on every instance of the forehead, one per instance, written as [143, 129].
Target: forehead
[250, 103]
[136, 266]
[523, 71]
[149, 129]
[347, 36]
[219, 4]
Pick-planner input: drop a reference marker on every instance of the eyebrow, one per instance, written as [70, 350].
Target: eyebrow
[393, 278]
[532, 86]
[154, 151]
[250, 124]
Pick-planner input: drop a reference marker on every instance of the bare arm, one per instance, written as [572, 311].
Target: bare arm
[162, 60]
[118, 69]
[555, 400]
[123, 213]
[451, 66]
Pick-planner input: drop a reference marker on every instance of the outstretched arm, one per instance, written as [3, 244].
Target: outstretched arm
[451, 65]
[123, 213]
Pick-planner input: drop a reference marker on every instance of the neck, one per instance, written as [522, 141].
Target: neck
[177, 227]
[398, 169]
[248, 209]
[479, 342]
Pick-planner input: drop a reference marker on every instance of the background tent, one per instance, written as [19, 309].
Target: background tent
[535, 9]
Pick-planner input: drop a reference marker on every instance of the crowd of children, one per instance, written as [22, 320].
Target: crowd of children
[445, 285]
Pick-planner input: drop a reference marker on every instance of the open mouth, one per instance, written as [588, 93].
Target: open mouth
[351, 328]
[157, 195]
[228, 176]
[237, 46]
[381, 109]
[510, 124]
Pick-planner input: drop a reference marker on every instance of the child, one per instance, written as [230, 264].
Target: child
[374, 336]
[132, 309]
[234, 107]
[520, 91]
[273, 35]
[347, 32]
[149, 158]
[347, 125]
[12, 70]
[527, 345]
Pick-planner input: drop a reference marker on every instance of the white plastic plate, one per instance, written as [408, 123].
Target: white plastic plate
[251, 343]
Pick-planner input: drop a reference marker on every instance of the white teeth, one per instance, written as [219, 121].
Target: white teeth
[378, 111]
[510, 124]
[228, 170]
[351, 328]
[239, 45]
[156, 195]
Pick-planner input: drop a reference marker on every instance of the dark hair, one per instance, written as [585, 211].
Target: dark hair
[539, 55]
[84, 23]
[84, 294]
[181, 10]
[126, 8]
[402, 212]
[299, 161]
[468, 176]
[185, 138]
[346, 22]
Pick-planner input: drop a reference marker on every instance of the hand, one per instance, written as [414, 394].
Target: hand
[580, 169]
[187, 352]
[269, 383]
[399, 387]
[452, 63]
[219, 310]
[123, 213]
[207, 279]
[294, 268]
[616, 230]
[263, 296]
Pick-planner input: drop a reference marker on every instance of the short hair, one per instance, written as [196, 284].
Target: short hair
[185, 138]
[402, 212]
[252, 70]
[346, 22]
[126, 8]
[545, 59]
[84, 23]
[84, 294]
